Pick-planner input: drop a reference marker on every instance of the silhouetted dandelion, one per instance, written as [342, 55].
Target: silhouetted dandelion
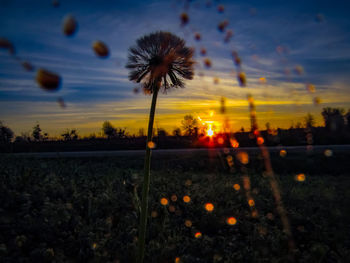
[228, 36]
[158, 60]
[207, 62]
[222, 26]
[6, 44]
[242, 79]
[197, 36]
[27, 66]
[184, 19]
[221, 8]
[48, 80]
[70, 25]
[100, 49]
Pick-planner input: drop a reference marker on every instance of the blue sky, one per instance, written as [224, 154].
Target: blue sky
[96, 89]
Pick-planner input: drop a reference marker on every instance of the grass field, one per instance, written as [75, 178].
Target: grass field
[86, 209]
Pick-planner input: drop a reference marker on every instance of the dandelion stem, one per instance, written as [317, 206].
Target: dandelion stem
[146, 182]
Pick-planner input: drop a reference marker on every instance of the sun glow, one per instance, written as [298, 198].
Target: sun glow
[210, 132]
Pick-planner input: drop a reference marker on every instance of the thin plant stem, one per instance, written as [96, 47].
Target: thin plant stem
[146, 182]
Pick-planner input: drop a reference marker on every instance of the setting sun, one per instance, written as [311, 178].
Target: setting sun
[210, 132]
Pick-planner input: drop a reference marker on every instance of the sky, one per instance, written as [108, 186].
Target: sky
[274, 39]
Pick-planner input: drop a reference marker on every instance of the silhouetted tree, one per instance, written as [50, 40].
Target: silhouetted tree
[347, 118]
[189, 124]
[333, 118]
[6, 134]
[141, 132]
[36, 133]
[108, 130]
[159, 60]
[70, 135]
[177, 132]
[309, 120]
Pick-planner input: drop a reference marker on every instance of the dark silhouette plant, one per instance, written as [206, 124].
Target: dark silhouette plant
[159, 60]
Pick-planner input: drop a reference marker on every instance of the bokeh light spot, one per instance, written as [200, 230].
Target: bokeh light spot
[164, 201]
[186, 199]
[154, 214]
[188, 223]
[328, 153]
[237, 187]
[209, 207]
[251, 202]
[151, 145]
[300, 177]
[283, 153]
[231, 221]
[260, 140]
[198, 235]
[173, 198]
[243, 157]
[172, 208]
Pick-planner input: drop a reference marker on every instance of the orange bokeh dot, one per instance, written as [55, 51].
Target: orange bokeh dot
[251, 202]
[187, 199]
[243, 157]
[174, 198]
[260, 140]
[172, 209]
[154, 214]
[283, 153]
[236, 187]
[177, 260]
[164, 201]
[151, 145]
[220, 140]
[231, 221]
[209, 207]
[234, 143]
[198, 235]
[300, 177]
[188, 223]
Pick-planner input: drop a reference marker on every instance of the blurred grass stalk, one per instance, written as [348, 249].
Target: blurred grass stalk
[146, 182]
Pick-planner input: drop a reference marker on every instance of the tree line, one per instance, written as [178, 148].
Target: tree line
[335, 120]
